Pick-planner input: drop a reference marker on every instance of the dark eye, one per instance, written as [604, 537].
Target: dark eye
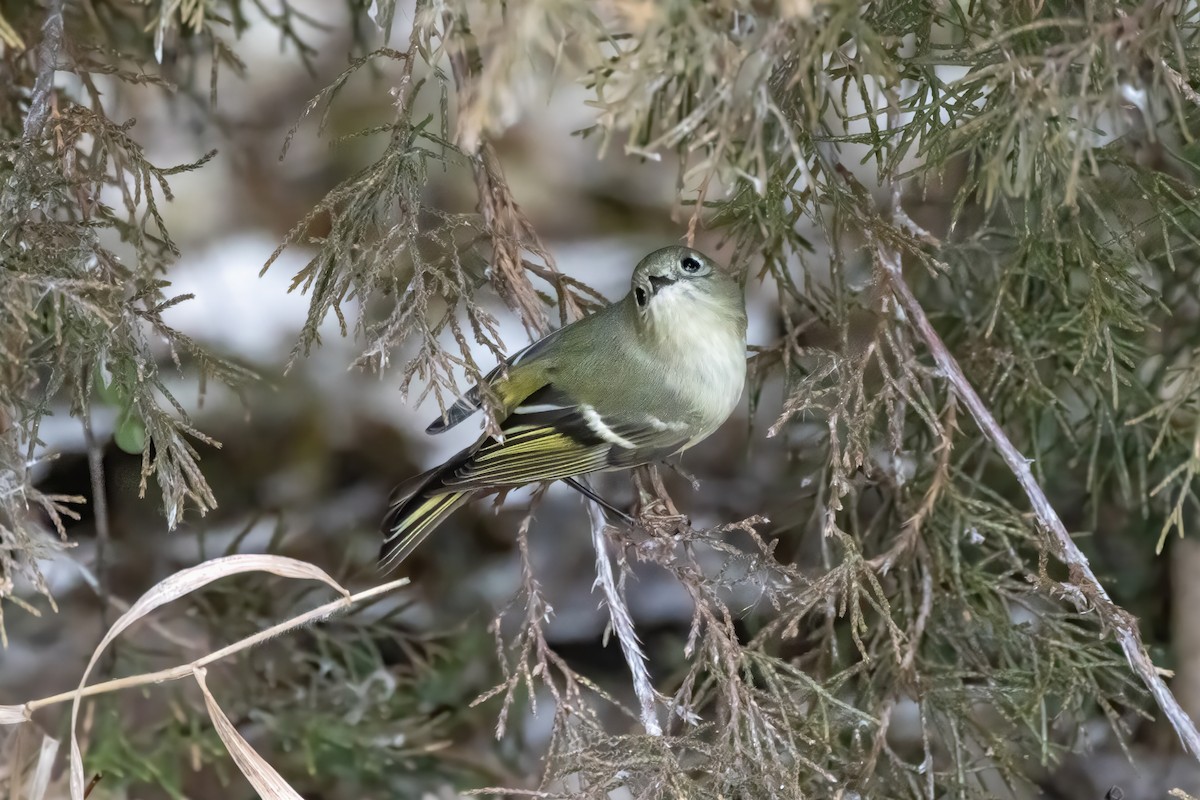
[639, 294]
[690, 264]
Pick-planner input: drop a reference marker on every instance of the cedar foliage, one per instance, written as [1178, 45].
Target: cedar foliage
[1046, 151]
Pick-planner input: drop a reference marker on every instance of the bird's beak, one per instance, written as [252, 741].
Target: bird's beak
[657, 282]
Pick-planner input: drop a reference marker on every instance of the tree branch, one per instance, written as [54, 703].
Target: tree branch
[510, 231]
[1054, 533]
[1084, 590]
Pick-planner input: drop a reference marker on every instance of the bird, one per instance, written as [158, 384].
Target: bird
[635, 382]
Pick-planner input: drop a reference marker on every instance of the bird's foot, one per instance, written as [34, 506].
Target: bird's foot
[683, 473]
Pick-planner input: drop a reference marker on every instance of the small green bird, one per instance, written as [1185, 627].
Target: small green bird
[637, 381]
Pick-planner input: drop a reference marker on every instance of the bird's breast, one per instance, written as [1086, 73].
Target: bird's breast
[704, 359]
[717, 377]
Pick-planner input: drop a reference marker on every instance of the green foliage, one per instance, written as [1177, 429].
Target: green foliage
[1056, 141]
[426, 262]
[151, 755]
[75, 303]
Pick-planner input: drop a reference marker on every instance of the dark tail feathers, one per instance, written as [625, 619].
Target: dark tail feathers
[417, 507]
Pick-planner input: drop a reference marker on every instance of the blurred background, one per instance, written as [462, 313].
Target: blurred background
[310, 453]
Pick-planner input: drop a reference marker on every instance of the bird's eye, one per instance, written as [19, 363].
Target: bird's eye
[639, 294]
[690, 264]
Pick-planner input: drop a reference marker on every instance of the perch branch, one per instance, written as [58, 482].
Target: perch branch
[1055, 534]
[622, 624]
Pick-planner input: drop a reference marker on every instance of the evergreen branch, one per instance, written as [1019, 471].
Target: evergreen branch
[501, 216]
[1086, 589]
[41, 100]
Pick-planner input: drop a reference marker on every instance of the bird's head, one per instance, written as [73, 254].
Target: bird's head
[673, 281]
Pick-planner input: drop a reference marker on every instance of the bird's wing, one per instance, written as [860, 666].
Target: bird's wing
[551, 436]
[472, 399]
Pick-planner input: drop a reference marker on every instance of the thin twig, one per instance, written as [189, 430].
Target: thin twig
[40, 105]
[910, 534]
[122, 606]
[43, 85]
[1180, 83]
[1091, 592]
[622, 624]
[95, 457]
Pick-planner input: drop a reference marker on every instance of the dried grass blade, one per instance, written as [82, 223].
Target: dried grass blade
[262, 776]
[12, 762]
[13, 715]
[44, 770]
[172, 588]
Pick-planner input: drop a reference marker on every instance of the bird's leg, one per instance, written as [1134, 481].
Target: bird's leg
[654, 493]
[678, 469]
[590, 494]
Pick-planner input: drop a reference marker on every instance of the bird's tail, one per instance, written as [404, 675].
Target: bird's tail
[417, 507]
